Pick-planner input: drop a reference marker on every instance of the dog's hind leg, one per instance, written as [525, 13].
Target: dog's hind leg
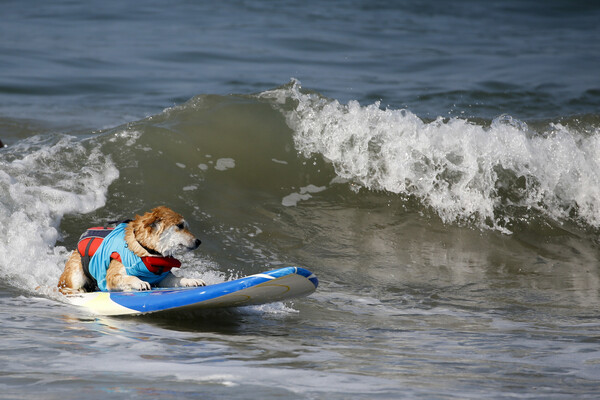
[73, 279]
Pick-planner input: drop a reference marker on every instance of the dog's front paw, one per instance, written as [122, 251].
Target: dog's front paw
[191, 282]
[133, 283]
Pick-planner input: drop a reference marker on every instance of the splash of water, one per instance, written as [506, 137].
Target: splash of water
[41, 180]
[465, 172]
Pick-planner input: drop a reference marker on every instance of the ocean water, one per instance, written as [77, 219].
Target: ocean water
[436, 165]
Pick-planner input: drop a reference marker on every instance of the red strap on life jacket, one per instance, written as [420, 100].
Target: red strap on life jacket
[91, 239]
[156, 265]
[87, 246]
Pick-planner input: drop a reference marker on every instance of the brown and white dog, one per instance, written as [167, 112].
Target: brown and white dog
[161, 231]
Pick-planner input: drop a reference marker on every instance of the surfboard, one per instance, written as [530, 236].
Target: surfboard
[267, 287]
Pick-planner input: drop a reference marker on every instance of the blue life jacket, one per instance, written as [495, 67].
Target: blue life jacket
[98, 246]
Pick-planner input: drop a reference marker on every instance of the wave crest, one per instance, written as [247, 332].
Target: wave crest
[488, 174]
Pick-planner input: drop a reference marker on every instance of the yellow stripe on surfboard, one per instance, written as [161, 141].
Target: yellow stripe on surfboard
[101, 304]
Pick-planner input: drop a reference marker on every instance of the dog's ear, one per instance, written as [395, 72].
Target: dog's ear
[153, 219]
[154, 225]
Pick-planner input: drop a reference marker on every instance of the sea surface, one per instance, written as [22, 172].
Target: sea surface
[435, 164]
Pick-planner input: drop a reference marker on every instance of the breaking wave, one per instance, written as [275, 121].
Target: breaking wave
[490, 174]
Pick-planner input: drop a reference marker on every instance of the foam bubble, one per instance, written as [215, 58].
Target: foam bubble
[225, 164]
[130, 137]
[293, 198]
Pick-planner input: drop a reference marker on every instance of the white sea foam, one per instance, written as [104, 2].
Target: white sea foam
[459, 169]
[224, 164]
[293, 198]
[40, 183]
[130, 137]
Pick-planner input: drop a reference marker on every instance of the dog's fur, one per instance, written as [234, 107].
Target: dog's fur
[161, 230]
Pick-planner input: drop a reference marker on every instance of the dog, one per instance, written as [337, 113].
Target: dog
[121, 262]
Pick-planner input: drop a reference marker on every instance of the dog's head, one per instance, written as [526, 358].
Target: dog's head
[163, 231]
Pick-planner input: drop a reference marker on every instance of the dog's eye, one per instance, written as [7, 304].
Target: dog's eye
[181, 225]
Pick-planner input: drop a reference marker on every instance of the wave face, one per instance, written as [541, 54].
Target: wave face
[266, 178]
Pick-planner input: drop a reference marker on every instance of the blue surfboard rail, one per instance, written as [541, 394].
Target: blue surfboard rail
[270, 286]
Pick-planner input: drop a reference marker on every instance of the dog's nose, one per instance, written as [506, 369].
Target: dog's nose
[197, 243]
